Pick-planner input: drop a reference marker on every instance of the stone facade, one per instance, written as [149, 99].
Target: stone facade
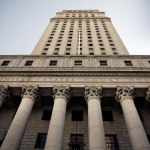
[61, 102]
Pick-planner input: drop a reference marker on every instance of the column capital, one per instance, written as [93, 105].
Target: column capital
[3, 92]
[148, 94]
[93, 92]
[30, 92]
[124, 92]
[61, 91]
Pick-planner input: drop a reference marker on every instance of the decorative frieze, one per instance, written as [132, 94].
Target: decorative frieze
[124, 93]
[61, 91]
[93, 92]
[30, 92]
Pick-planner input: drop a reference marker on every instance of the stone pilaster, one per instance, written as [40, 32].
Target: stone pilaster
[93, 97]
[17, 128]
[3, 93]
[55, 135]
[136, 132]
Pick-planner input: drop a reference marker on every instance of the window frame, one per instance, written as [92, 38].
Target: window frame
[78, 63]
[128, 63]
[112, 143]
[38, 143]
[53, 63]
[103, 63]
[28, 63]
[5, 63]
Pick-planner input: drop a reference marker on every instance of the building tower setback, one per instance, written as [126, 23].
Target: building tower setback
[97, 35]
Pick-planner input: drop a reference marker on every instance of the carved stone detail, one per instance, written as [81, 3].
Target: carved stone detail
[61, 91]
[30, 92]
[124, 93]
[148, 94]
[93, 92]
[3, 92]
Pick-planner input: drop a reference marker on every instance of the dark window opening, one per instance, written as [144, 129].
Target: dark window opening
[40, 141]
[46, 115]
[29, 63]
[77, 115]
[5, 63]
[91, 53]
[103, 63]
[107, 115]
[111, 142]
[78, 63]
[43, 53]
[53, 63]
[76, 142]
[128, 63]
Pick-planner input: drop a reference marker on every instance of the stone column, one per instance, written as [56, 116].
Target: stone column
[136, 132]
[55, 135]
[95, 121]
[17, 128]
[3, 94]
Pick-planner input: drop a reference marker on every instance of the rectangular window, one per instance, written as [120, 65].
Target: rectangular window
[91, 53]
[43, 53]
[77, 115]
[45, 49]
[111, 142]
[29, 63]
[67, 53]
[78, 63]
[103, 63]
[53, 63]
[128, 63]
[5, 63]
[46, 115]
[76, 142]
[40, 141]
[102, 49]
[107, 115]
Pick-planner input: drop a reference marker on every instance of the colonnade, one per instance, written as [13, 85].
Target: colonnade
[61, 95]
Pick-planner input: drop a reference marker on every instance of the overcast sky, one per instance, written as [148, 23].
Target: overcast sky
[22, 22]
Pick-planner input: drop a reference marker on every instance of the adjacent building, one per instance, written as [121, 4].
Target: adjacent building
[78, 90]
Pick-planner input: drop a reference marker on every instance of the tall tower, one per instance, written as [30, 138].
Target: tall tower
[80, 32]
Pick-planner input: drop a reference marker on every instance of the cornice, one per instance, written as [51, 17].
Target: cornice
[108, 74]
[56, 18]
[75, 56]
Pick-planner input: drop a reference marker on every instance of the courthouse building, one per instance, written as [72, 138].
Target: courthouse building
[78, 90]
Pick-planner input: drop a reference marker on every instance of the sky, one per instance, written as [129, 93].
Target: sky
[22, 22]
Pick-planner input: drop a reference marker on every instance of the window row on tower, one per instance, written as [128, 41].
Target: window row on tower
[74, 62]
[75, 32]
